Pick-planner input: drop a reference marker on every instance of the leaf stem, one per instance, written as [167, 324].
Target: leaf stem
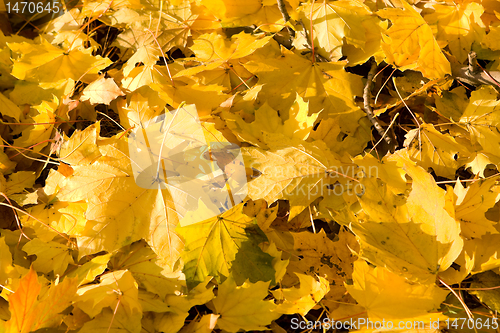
[367, 95]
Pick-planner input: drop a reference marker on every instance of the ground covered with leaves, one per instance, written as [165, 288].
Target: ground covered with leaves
[370, 134]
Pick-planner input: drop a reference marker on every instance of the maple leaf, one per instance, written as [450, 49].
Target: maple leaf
[242, 13]
[101, 91]
[269, 127]
[335, 22]
[481, 118]
[324, 85]
[139, 259]
[38, 61]
[323, 257]
[243, 307]
[42, 127]
[491, 39]
[301, 300]
[81, 148]
[145, 76]
[458, 26]
[30, 311]
[208, 98]
[396, 223]
[433, 149]
[216, 245]
[90, 270]
[380, 290]
[142, 213]
[481, 254]
[18, 181]
[9, 108]
[64, 218]
[471, 206]
[298, 173]
[411, 44]
[111, 321]
[451, 104]
[205, 324]
[115, 287]
[150, 39]
[141, 106]
[51, 256]
[219, 58]
[486, 280]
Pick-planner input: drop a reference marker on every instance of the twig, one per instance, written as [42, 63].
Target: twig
[286, 17]
[367, 95]
[385, 133]
[474, 76]
[473, 68]
[282, 8]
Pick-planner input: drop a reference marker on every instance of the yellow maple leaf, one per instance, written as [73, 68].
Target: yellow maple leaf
[334, 22]
[324, 258]
[38, 134]
[142, 213]
[207, 98]
[50, 256]
[410, 43]
[268, 125]
[324, 85]
[492, 39]
[9, 108]
[225, 243]
[296, 171]
[471, 206]
[481, 254]
[219, 59]
[205, 324]
[141, 106]
[146, 75]
[243, 307]
[31, 311]
[114, 287]
[50, 65]
[101, 91]
[458, 25]
[113, 321]
[243, 13]
[433, 149]
[63, 218]
[381, 291]
[151, 38]
[87, 272]
[482, 118]
[394, 223]
[81, 148]
[301, 300]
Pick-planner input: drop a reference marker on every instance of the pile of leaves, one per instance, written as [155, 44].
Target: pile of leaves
[342, 222]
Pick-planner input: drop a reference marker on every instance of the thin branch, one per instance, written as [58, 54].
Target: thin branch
[286, 17]
[473, 68]
[282, 8]
[367, 95]
[474, 75]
